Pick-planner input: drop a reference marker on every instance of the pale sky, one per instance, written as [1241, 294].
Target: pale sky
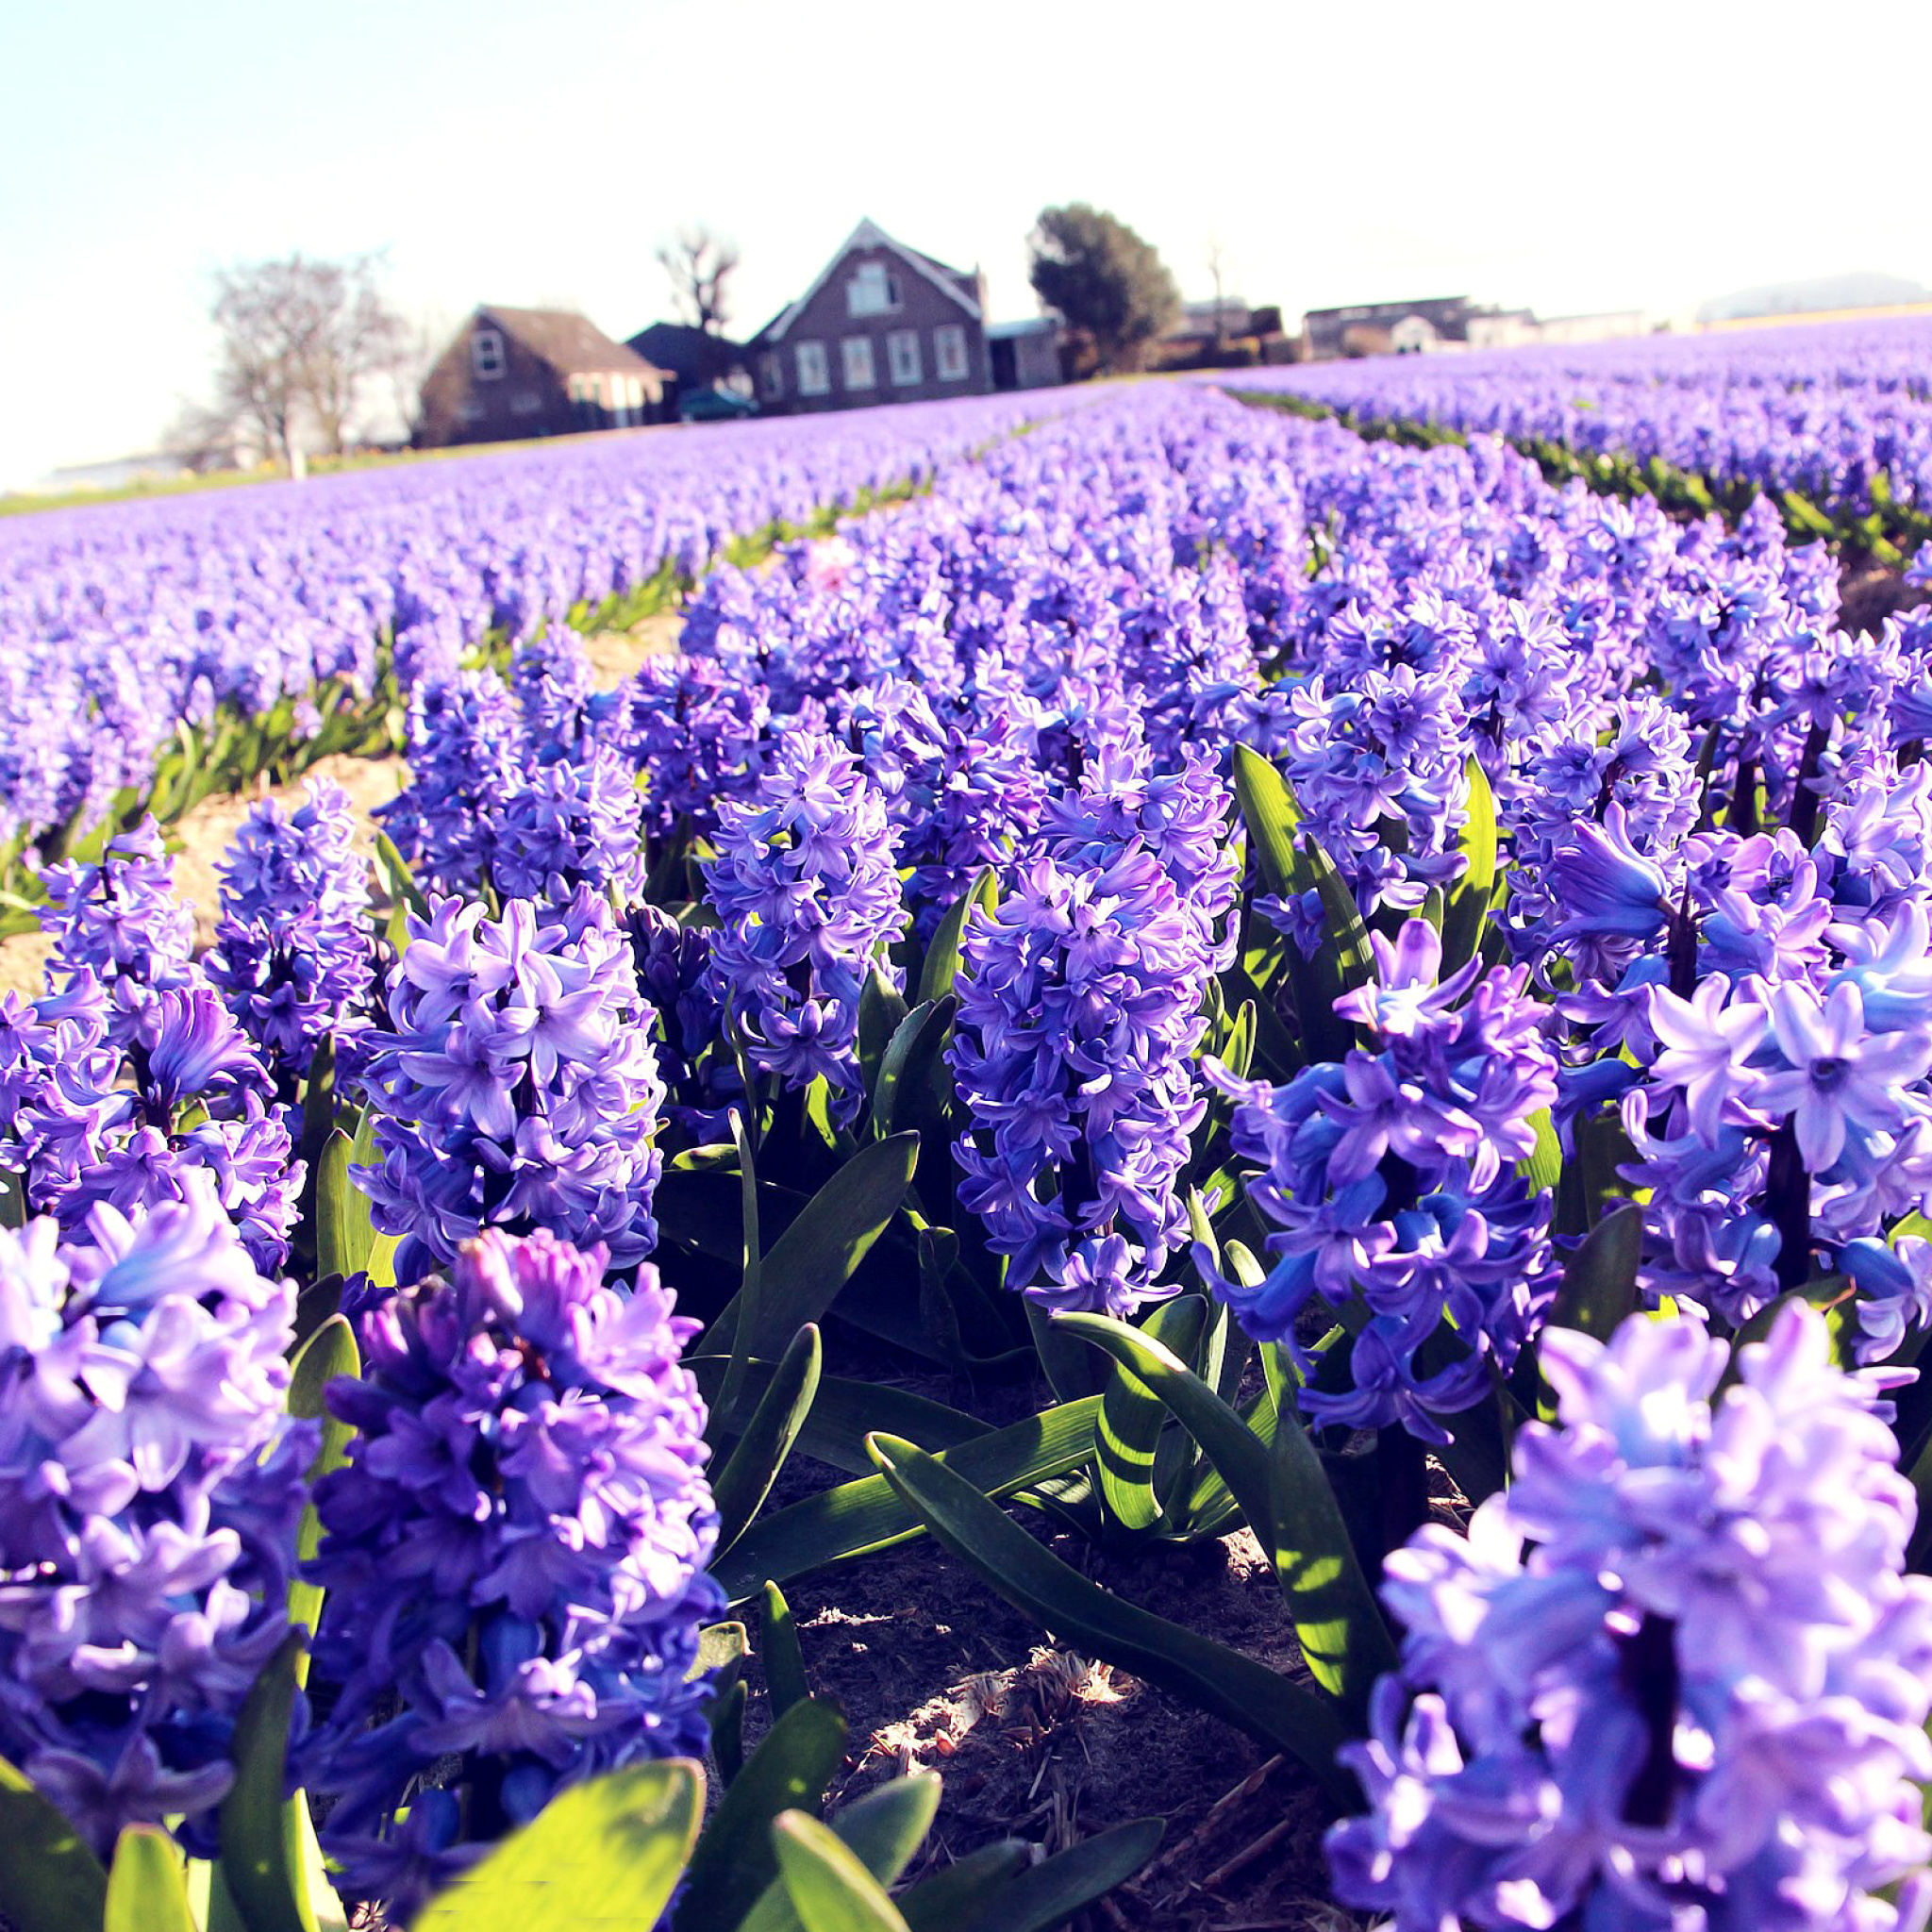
[1559, 155]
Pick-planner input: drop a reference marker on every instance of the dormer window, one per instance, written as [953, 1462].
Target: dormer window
[487, 361]
[872, 291]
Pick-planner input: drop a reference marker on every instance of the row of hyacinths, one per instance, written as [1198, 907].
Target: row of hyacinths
[1840, 413]
[117, 629]
[656, 905]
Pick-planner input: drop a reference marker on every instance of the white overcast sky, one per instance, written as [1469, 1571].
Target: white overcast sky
[1563, 156]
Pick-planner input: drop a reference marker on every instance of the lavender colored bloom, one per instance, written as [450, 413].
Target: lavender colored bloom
[1674, 1675]
[961, 790]
[293, 955]
[1837, 1076]
[1078, 1014]
[119, 919]
[1606, 887]
[1391, 1176]
[551, 677]
[189, 1102]
[514, 1555]
[150, 1488]
[516, 1085]
[806, 888]
[577, 822]
[1743, 1070]
[702, 1081]
[467, 754]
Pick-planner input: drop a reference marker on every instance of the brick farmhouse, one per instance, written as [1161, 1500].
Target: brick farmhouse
[882, 323]
[534, 372]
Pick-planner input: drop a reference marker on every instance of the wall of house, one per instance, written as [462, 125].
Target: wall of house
[527, 399]
[922, 308]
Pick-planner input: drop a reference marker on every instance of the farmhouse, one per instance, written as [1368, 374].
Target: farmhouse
[515, 372]
[882, 323]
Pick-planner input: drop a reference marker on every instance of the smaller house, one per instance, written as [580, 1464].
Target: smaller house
[516, 373]
[709, 376]
[1025, 355]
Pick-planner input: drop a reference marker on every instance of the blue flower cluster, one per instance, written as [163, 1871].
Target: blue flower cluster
[1673, 1675]
[807, 892]
[514, 1555]
[1079, 1019]
[466, 757]
[118, 919]
[150, 1488]
[515, 1085]
[186, 1102]
[1391, 1176]
[293, 955]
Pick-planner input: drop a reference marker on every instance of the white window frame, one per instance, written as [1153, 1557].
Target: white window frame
[815, 369]
[858, 366]
[527, 402]
[873, 289]
[771, 374]
[488, 361]
[902, 357]
[951, 360]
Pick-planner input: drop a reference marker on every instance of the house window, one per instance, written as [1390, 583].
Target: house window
[814, 374]
[771, 374]
[949, 351]
[902, 356]
[486, 355]
[527, 402]
[855, 355]
[872, 290]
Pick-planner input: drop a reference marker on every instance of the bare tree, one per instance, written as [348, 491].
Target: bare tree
[699, 265]
[300, 339]
[201, 436]
[1214, 273]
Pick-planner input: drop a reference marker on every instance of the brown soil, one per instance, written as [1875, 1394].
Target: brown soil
[1870, 592]
[615, 654]
[935, 1671]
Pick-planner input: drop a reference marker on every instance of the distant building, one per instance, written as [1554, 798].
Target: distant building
[1450, 322]
[515, 372]
[882, 323]
[1382, 328]
[699, 367]
[115, 473]
[1501, 328]
[1025, 355]
[1600, 328]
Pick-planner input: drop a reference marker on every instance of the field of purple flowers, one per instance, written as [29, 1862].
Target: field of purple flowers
[1327, 993]
[1830, 423]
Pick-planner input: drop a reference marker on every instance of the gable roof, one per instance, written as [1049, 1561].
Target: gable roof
[689, 353]
[571, 344]
[948, 282]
